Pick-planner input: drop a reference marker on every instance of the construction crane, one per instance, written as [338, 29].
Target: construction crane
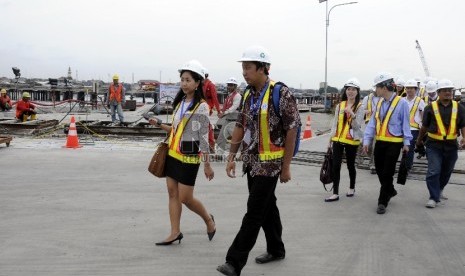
[422, 57]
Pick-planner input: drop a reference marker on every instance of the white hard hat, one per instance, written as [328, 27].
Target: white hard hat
[444, 83]
[256, 53]
[194, 66]
[353, 82]
[411, 83]
[232, 81]
[399, 82]
[431, 86]
[382, 77]
[457, 93]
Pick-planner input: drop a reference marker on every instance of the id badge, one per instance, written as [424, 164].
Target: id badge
[247, 137]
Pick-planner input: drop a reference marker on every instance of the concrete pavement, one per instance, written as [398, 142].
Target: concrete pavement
[97, 211]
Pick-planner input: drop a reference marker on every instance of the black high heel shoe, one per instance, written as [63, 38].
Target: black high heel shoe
[212, 234]
[178, 238]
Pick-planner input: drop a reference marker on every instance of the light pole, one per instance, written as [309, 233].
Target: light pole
[326, 53]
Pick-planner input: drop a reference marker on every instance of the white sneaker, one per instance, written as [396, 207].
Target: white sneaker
[443, 196]
[431, 204]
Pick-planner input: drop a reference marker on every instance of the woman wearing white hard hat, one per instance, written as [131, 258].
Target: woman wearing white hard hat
[391, 128]
[188, 145]
[346, 135]
[228, 115]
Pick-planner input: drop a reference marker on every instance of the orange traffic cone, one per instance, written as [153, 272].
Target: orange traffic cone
[72, 140]
[307, 133]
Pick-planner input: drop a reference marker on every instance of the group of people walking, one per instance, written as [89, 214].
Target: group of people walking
[387, 122]
[395, 119]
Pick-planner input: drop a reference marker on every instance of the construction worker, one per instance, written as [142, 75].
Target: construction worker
[420, 88]
[400, 87]
[228, 113]
[391, 127]
[369, 105]
[442, 120]
[210, 95]
[209, 92]
[431, 91]
[116, 99]
[5, 101]
[24, 108]
[457, 96]
[268, 135]
[416, 106]
[346, 135]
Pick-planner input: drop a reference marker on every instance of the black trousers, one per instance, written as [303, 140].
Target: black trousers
[386, 156]
[262, 212]
[351, 153]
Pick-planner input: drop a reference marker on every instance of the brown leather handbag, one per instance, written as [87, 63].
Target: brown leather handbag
[157, 164]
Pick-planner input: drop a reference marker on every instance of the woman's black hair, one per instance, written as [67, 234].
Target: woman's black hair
[260, 64]
[357, 99]
[198, 93]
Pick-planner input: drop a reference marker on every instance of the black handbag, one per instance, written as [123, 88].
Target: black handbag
[326, 174]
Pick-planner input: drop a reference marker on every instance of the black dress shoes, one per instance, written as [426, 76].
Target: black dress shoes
[227, 269]
[266, 258]
[381, 209]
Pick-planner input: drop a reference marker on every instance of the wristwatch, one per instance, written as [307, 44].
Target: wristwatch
[158, 122]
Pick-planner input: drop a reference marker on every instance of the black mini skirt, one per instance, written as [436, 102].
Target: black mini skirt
[184, 173]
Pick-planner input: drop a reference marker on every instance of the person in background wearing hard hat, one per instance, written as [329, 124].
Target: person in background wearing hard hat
[210, 95]
[228, 113]
[5, 101]
[24, 108]
[188, 147]
[116, 99]
[420, 88]
[416, 106]
[369, 105]
[268, 135]
[400, 87]
[458, 96]
[346, 135]
[431, 89]
[391, 128]
[442, 120]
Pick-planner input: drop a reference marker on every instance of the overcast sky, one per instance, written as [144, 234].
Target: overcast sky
[152, 38]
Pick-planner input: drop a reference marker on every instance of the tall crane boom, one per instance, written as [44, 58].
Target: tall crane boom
[422, 57]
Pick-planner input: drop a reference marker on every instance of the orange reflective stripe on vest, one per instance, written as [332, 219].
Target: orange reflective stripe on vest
[441, 134]
[382, 131]
[413, 111]
[174, 140]
[343, 130]
[116, 94]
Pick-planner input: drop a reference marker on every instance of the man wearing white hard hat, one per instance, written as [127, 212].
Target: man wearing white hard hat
[431, 89]
[229, 114]
[391, 128]
[458, 96]
[369, 105]
[416, 106]
[442, 121]
[400, 87]
[268, 133]
[116, 99]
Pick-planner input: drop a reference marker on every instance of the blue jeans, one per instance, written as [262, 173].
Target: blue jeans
[119, 109]
[411, 148]
[441, 162]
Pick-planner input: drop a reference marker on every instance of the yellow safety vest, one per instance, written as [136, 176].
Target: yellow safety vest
[413, 111]
[382, 131]
[266, 149]
[421, 92]
[174, 141]
[369, 107]
[441, 132]
[343, 130]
